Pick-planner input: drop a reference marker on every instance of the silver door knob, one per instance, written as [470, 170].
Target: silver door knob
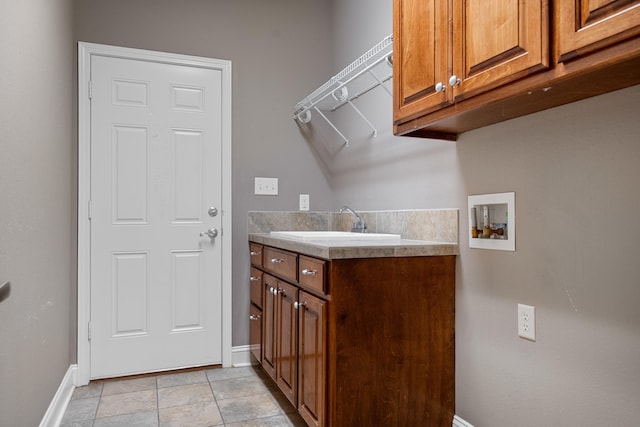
[454, 80]
[213, 211]
[212, 233]
[440, 87]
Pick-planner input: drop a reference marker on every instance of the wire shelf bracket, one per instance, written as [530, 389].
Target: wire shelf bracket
[374, 68]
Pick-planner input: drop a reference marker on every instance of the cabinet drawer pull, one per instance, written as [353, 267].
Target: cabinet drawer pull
[253, 253]
[254, 279]
[254, 317]
[307, 272]
[277, 260]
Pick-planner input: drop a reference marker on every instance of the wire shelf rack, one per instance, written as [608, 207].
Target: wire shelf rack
[370, 70]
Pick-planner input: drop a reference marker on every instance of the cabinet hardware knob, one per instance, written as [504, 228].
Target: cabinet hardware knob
[307, 272]
[252, 253]
[297, 305]
[277, 260]
[454, 80]
[440, 87]
[272, 290]
[254, 317]
[254, 279]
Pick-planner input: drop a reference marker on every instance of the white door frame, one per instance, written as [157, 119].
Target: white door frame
[85, 51]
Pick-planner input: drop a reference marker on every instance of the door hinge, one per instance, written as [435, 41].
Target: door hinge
[89, 91]
[89, 209]
[89, 331]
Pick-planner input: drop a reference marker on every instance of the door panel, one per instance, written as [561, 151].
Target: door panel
[497, 42]
[421, 46]
[130, 294]
[129, 175]
[583, 26]
[269, 324]
[287, 341]
[156, 283]
[312, 358]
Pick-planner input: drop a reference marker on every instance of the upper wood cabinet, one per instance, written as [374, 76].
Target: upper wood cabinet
[421, 59]
[463, 64]
[584, 26]
[497, 42]
[488, 44]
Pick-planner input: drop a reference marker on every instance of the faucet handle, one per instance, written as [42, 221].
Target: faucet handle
[359, 227]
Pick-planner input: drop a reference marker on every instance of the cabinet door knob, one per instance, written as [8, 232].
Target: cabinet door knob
[307, 272]
[272, 290]
[298, 305]
[454, 80]
[440, 87]
[277, 260]
[254, 279]
[254, 317]
[253, 253]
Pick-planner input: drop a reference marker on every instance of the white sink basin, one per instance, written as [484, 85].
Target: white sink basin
[323, 236]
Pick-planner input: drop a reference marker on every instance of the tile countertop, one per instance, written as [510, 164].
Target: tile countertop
[357, 249]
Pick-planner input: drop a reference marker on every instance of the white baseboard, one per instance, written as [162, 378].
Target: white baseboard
[241, 356]
[459, 422]
[58, 405]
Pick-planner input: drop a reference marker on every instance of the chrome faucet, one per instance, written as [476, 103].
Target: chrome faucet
[359, 226]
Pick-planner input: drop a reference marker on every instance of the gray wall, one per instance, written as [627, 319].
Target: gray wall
[37, 203]
[575, 173]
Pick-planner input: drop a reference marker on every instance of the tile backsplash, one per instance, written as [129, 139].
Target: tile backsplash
[437, 225]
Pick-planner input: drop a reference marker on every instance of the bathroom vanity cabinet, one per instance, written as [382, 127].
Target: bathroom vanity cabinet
[360, 339]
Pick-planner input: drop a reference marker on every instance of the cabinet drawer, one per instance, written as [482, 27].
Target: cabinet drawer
[255, 251]
[282, 263]
[311, 273]
[255, 286]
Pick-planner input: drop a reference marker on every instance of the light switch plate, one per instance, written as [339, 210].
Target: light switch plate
[266, 186]
[304, 202]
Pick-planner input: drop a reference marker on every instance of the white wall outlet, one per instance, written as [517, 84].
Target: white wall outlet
[304, 202]
[527, 322]
[266, 186]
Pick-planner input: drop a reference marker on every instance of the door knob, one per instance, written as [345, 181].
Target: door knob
[454, 80]
[212, 233]
[440, 87]
[213, 211]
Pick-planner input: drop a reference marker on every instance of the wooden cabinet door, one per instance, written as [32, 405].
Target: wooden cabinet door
[255, 332]
[421, 58]
[583, 26]
[287, 341]
[496, 42]
[312, 359]
[269, 324]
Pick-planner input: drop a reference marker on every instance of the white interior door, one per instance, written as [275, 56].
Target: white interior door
[156, 172]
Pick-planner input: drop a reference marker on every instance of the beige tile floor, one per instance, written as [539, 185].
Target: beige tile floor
[197, 398]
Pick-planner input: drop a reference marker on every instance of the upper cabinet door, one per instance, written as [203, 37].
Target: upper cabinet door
[498, 41]
[584, 26]
[421, 58]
